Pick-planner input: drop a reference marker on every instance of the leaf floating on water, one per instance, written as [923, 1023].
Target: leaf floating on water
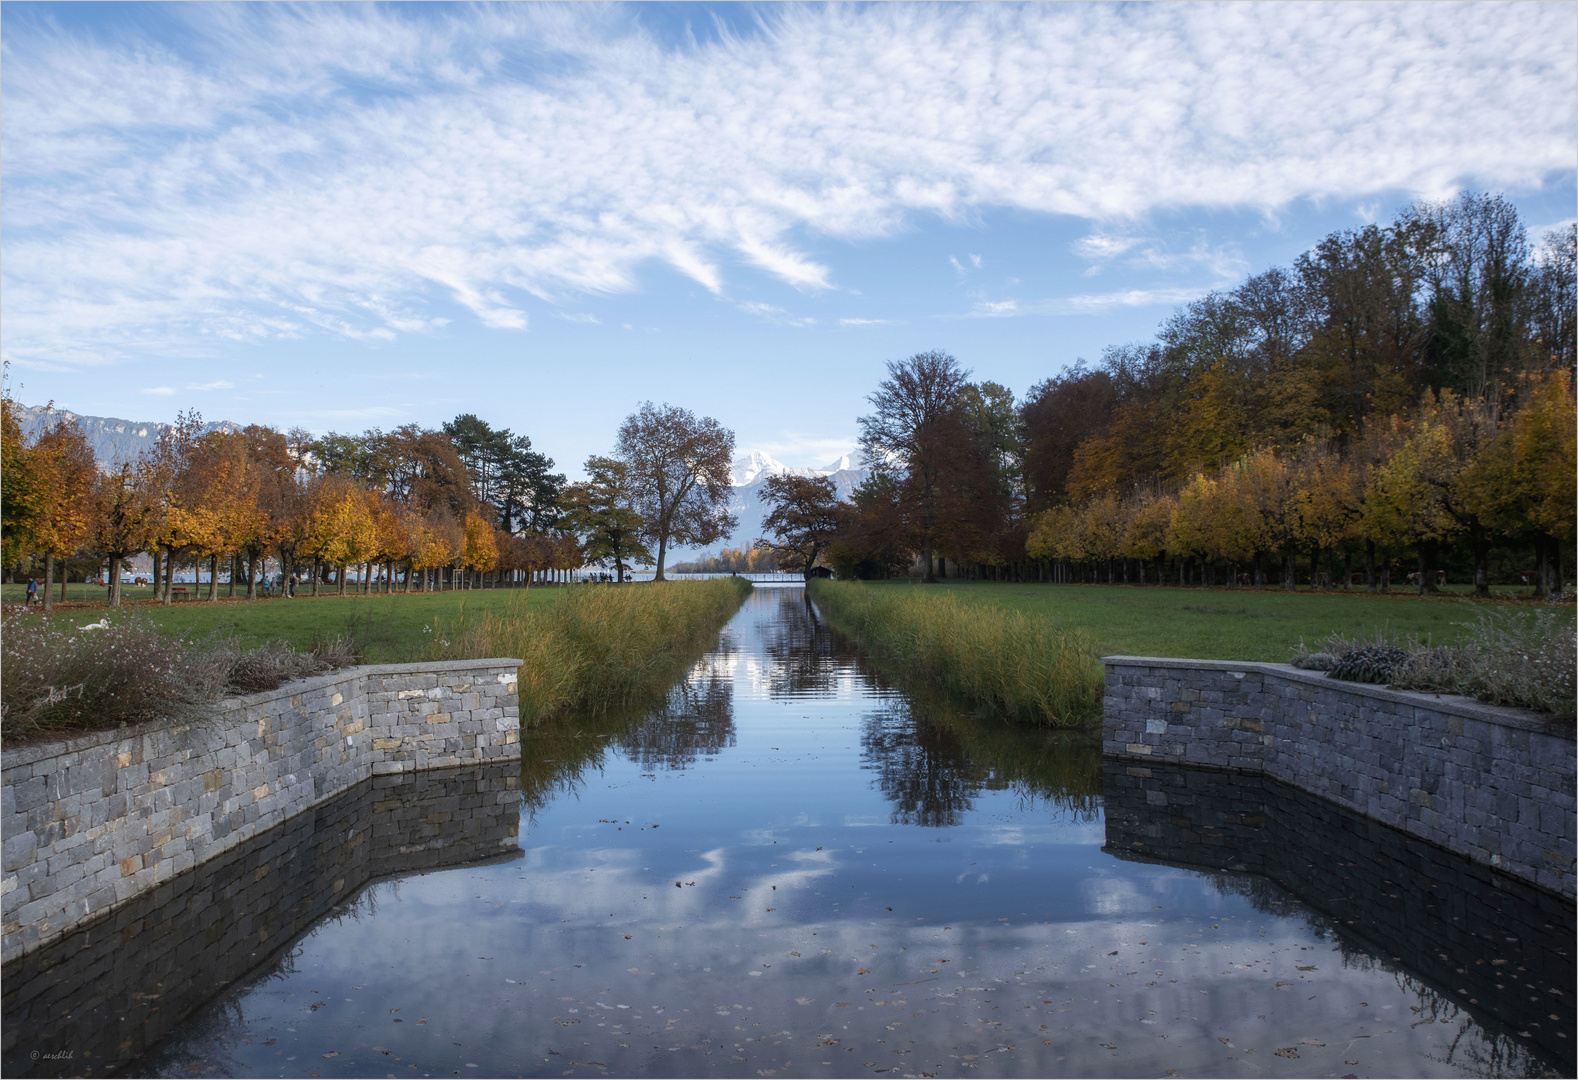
[1306, 967]
[1286, 1052]
[332, 1053]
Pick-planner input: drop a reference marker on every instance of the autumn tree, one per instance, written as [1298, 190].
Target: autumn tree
[905, 436]
[601, 512]
[805, 517]
[677, 472]
[63, 466]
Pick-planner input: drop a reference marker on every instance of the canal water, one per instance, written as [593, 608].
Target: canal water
[792, 868]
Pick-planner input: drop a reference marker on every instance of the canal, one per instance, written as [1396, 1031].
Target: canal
[793, 868]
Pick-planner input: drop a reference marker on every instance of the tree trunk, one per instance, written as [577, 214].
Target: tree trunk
[1481, 543]
[1427, 568]
[315, 575]
[930, 572]
[155, 554]
[1289, 571]
[213, 576]
[115, 581]
[340, 584]
[49, 581]
[169, 572]
[252, 576]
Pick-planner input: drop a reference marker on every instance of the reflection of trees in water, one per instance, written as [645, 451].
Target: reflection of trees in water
[697, 720]
[932, 760]
[803, 655]
[922, 769]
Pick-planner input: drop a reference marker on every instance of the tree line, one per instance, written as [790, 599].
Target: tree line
[1399, 400]
[411, 509]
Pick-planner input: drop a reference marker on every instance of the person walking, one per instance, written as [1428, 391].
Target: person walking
[32, 592]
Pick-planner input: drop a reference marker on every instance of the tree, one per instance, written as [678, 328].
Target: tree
[806, 516]
[906, 436]
[64, 468]
[22, 490]
[600, 512]
[677, 471]
[338, 528]
[481, 551]
[121, 526]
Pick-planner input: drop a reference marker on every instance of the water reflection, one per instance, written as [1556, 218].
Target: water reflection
[116, 987]
[1471, 939]
[792, 869]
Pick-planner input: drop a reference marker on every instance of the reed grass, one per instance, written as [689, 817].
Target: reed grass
[597, 647]
[1021, 666]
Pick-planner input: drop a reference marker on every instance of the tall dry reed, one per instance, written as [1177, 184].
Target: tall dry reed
[1025, 667]
[597, 647]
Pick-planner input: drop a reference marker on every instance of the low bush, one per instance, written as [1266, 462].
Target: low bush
[1507, 656]
[58, 677]
[1008, 662]
[597, 647]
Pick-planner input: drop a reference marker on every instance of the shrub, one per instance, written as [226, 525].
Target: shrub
[59, 677]
[1003, 660]
[597, 647]
[1508, 656]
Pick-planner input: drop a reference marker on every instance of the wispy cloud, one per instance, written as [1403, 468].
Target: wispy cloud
[864, 322]
[217, 384]
[774, 314]
[346, 170]
[1087, 303]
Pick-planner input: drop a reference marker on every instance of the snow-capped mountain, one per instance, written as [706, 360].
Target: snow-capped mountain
[750, 472]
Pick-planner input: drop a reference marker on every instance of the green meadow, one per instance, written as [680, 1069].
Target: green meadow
[1218, 623]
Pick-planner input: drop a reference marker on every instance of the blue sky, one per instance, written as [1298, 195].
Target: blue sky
[346, 216]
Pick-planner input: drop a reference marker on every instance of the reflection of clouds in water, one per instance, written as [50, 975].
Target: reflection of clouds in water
[1114, 896]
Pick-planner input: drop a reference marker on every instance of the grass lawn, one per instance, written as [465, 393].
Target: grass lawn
[389, 629]
[1216, 624]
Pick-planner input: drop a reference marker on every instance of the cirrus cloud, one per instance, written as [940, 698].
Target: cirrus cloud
[276, 172]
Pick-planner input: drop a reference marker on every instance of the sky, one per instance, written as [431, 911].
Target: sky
[340, 217]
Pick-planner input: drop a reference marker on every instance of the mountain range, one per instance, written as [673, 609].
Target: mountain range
[751, 470]
[115, 440]
[112, 439]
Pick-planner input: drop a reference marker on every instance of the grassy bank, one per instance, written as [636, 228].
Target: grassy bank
[384, 629]
[594, 648]
[1218, 624]
[1029, 668]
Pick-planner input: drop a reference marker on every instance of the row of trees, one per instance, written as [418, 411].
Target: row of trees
[1403, 392]
[430, 506]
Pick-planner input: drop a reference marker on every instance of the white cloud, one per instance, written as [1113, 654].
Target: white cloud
[159, 391]
[1087, 303]
[217, 384]
[342, 170]
[1103, 246]
[580, 317]
[774, 314]
[864, 322]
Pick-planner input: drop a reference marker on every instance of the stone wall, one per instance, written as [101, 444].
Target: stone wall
[92, 821]
[1499, 948]
[1496, 785]
[110, 991]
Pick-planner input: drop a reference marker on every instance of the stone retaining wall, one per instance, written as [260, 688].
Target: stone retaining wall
[1496, 785]
[1388, 900]
[92, 821]
[111, 991]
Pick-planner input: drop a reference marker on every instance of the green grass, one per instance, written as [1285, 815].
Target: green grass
[595, 648]
[1215, 624]
[1011, 662]
[385, 629]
